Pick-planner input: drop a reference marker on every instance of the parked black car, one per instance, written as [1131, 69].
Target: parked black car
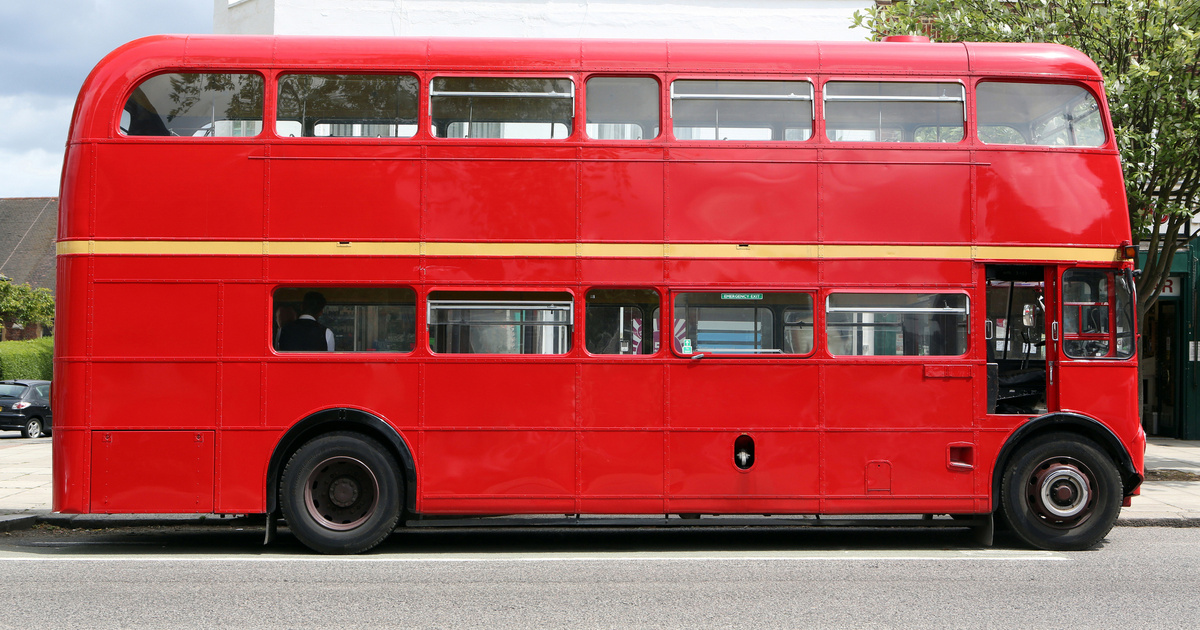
[25, 407]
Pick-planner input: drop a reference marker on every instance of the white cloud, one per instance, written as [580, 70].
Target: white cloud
[35, 134]
[32, 173]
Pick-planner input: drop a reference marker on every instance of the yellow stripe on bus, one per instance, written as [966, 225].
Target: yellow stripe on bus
[589, 250]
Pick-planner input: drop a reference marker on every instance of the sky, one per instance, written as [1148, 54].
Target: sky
[47, 48]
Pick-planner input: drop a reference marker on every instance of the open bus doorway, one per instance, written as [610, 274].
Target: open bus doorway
[1015, 333]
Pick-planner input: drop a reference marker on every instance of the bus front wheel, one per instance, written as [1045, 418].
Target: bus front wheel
[1061, 492]
[340, 493]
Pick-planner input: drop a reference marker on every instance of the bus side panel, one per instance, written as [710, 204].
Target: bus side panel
[164, 189]
[499, 471]
[703, 475]
[152, 472]
[499, 437]
[881, 197]
[1061, 199]
[149, 320]
[386, 203]
[71, 462]
[508, 269]
[712, 405]
[621, 446]
[894, 471]
[896, 396]
[1103, 391]
[753, 272]
[75, 202]
[242, 458]
[621, 200]
[500, 195]
[303, 385]
[707, 198]
[891, 273]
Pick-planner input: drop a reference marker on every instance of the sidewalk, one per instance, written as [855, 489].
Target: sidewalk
[25, 486]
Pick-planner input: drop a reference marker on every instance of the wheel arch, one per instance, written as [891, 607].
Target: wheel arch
[341, 419]
[1066, 422]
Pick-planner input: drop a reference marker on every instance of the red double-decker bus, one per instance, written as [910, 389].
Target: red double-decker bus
[354, 283]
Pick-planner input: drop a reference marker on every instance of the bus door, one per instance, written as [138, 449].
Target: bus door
[1097, 340]
[1021, 339]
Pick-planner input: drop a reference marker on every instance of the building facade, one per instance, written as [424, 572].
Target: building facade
[624, 19]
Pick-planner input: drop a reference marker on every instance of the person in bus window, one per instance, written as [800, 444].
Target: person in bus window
[284, 315]
[306, 334]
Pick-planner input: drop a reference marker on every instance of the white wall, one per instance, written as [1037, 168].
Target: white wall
[631, 19]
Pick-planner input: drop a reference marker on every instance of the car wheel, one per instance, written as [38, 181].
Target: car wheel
[340, 493]
[1061, 492]
[32, 428]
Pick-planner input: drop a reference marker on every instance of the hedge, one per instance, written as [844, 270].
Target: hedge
[27, 359]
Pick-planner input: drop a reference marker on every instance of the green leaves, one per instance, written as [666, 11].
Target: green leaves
[23, 304]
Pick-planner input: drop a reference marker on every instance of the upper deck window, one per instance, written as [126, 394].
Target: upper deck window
[622, 108]
[347, 106]
[742, 110]
[492, 107]
[203, 105]
[868, 111]
[1044, 114]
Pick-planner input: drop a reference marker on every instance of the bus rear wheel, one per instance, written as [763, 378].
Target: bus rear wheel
[1061, 492]
[340, 493]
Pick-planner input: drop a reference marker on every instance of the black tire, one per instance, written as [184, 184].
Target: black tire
[32, 428]
[1061, 492]
[340, 493]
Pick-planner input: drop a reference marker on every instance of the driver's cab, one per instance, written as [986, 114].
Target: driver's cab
[1042, 318]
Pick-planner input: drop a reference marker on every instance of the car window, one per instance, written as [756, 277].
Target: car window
[43, 391]
[11, 390]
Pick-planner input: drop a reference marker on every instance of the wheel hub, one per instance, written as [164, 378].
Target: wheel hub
[1060, 492]
[341, 493]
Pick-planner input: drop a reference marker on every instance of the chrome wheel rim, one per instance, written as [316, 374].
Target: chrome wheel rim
[33, 429]
[341, 493]
[1060, 492]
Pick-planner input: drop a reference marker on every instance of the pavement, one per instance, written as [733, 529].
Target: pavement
[1170, 496]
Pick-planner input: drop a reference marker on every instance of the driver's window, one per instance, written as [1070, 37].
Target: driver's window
[1097, 314]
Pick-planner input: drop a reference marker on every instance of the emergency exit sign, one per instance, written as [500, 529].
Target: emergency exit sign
[741, 296]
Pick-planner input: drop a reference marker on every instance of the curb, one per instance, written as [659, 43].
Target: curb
[16, 522]
[1176, 521]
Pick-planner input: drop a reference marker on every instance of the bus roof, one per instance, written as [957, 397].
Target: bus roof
[120, 70]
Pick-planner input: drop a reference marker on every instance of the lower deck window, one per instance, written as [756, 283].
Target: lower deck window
[1094, 325]
[897, 324]
[744, 323]
[344, 319]
[499, 322]
[621, 321]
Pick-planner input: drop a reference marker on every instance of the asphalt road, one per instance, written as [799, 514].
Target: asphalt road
[218, 576]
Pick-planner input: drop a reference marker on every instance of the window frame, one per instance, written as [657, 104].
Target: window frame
[668, 330]
[338, 352]
[422, 113]
[268, 107]
[659, 293]
[1101, 111]
[427, 307]
[426, 115]
[582, 107]
[825, 98]
[1113, 313]
[668, 95]
[915, 358]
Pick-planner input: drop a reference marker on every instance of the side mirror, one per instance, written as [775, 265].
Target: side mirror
[1028, 316]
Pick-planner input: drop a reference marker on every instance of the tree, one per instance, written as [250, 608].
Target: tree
[25, 305]
[1149, 53]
